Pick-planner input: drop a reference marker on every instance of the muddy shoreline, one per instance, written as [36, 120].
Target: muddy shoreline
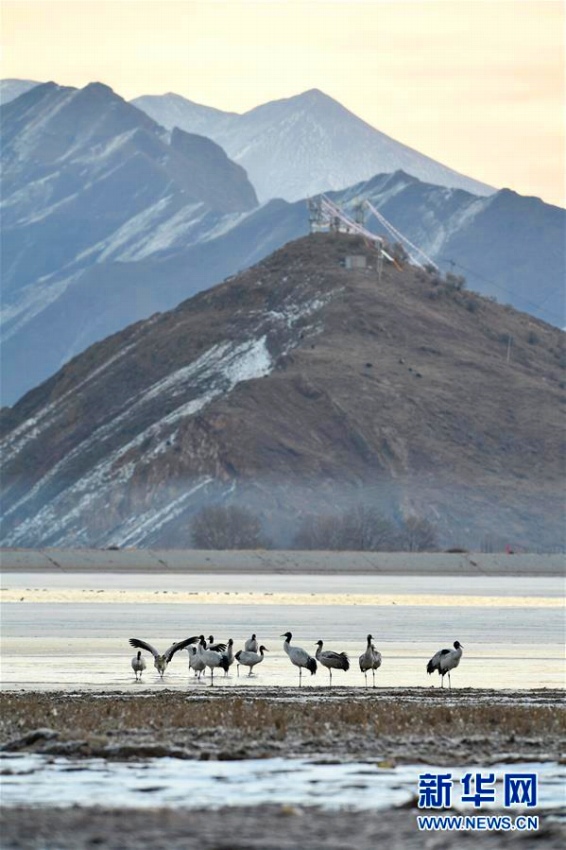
[384, 726]
[248, 828]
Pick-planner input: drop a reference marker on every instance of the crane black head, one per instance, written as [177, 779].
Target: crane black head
[263, 649]
[458, 645]
[287, 635]
[320, 643]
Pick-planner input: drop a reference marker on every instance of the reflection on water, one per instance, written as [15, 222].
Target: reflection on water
[77, 644]
[46, 781]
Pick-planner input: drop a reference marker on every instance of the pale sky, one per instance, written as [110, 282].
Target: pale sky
[476, 84]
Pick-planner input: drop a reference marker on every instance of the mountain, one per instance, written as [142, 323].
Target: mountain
[298, 387]
[508, 246]
[302, 145]
[88, 179]
[11, 89]
[109, 218]
[171, 110]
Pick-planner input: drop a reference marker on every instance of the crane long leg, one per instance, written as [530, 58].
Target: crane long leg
[373, 674]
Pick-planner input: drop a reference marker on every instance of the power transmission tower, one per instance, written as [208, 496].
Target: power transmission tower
[315, 214]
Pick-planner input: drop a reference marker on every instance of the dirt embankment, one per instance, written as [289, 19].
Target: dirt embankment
[286, 562]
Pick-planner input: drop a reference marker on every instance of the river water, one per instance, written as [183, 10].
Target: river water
[70, 631]
[58, 781]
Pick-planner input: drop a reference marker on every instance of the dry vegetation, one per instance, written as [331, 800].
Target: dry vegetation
[408, 725]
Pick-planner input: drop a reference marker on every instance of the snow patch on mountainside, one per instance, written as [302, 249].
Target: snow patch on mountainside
[97, 154]
[119, 245]
[296, 312]
[33, 427]
[109, 458]
[88, 180]
[439, 235]
[174, 230]
[25, 144]
[215, 373]
[136, 529]
[34, 194]
[31, 301]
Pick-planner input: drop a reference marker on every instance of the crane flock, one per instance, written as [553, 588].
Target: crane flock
[206, 654]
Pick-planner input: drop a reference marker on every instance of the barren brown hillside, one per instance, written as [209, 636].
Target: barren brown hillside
[300, 387]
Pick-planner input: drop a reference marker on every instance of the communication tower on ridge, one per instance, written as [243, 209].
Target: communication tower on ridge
[315, 214]
[325, 215]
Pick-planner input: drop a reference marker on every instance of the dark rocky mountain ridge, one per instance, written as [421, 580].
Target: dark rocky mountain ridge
[298, 387]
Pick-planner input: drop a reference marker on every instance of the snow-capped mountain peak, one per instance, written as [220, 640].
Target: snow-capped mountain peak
[301, 145]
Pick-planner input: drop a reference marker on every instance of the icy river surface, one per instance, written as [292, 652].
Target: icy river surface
[65, 631]
[176, 783]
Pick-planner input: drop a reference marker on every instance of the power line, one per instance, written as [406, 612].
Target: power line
[499, 286]
[328, 213]
[400, 236]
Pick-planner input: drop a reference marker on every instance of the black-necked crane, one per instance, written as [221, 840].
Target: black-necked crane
[217, 647]
[195, 661]
[445, 660]
[251, 645]
[250, 659]
[299, 657]
[138, 665]
[161, 661]
[331, 660]
[211, 658]
[228, 656]
[370, 660]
